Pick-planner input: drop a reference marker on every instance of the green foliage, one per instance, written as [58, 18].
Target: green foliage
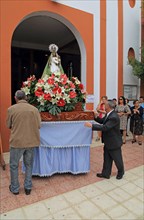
[54, 109]
[32, 99]
[137, 66]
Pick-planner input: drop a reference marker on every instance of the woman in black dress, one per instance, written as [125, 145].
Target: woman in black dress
[136, 122]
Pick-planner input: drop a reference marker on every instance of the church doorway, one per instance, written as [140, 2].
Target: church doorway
[30, 48]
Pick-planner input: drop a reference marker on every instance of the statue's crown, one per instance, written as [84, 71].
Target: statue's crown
[53, 48]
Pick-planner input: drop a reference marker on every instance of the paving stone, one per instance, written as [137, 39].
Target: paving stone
[119, 195]
[105, 185]
[102, 216]
[35, 211]
[67, 214]
[121, 213]
[87, 209]
[104, 202]
[139, 182]
[131, 188]
[56, 204]
[134, 206]
[91, 191]
[13, 215]
[74, 197]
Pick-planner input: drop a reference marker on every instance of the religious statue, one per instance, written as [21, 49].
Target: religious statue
[54, 62]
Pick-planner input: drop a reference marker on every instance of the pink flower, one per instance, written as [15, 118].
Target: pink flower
[53, 75]
[72, 85]
[31, 78]
[63, 78]
[41, 81]
[29, 84]
[73, 79]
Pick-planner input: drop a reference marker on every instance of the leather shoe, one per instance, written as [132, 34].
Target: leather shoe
[15, 193]
[27, 191]
[118, 177]
[100, 175]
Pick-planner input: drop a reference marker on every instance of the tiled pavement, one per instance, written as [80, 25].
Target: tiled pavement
[82, 196]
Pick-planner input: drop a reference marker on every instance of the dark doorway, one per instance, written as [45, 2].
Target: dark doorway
[26, 62]
[29, 52]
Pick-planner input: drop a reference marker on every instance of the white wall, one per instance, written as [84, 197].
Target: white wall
[112, 50]
[132, 38]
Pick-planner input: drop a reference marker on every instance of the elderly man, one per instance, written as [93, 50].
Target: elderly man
[24, 121]
[112, 139]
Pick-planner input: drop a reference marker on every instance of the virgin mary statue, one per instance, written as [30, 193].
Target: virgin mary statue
[54, 62]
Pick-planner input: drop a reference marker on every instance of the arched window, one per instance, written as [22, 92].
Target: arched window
[131, 53]
[132, 3]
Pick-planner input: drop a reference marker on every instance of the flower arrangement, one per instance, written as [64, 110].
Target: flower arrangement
[55, 93]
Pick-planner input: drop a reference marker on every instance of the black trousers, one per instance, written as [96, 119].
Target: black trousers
[109, 157]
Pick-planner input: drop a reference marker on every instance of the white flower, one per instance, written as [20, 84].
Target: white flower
[26, 83]
[39, 85]
[63, 89]
[45, 78]
[77, 81]
[47, 88]
[26, 90]
[41, 100]
[58, 96]
[66, 98]
[54, 101]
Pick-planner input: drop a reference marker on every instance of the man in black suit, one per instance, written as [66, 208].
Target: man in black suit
[112, 139]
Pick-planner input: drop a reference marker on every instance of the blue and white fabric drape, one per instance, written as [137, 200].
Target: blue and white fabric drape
[64, 147]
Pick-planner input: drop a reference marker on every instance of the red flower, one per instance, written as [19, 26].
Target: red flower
[50, 80]
[39, 92]
[56, 89]
[47, 97]
[81, 86]
[61, 102]
[72, 94]
[53, 75]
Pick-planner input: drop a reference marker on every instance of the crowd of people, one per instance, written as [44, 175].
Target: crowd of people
[129, 114]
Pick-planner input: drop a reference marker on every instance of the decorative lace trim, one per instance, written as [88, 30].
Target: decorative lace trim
[65, 122]
[60, 172]
[65, 146]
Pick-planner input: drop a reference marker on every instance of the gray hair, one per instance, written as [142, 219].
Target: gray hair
[111, 104]
[20, 94]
